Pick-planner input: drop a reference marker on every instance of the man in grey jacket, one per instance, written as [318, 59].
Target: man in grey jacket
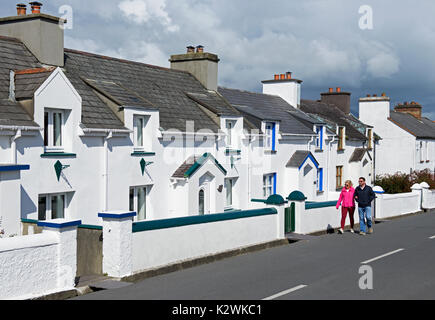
[364, 195]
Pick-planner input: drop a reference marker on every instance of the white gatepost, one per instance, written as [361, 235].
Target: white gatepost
[378, 202]
[426, 196]
[117, 243]
[66, 232]
[276, 201]
[299, 200]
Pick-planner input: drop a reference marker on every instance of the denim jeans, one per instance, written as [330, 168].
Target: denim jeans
[365, 213]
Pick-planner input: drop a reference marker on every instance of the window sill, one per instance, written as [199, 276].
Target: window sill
[142, 153]
[320, 192]
[232, 151]
[318, 150]
[58, 155]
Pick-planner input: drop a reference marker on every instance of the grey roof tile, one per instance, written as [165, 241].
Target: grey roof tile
[298, 158]
[423, 129]
[258, 107]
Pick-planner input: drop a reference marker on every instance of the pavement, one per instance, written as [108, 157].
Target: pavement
[400, 254]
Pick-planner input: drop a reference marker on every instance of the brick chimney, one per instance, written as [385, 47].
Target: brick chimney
[41, 33]
[202, 65]
[412, 108]
[339, 98]
[284, 86]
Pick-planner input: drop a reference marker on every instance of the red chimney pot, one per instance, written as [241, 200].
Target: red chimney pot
[289, 75]
[21, 9]
[36, 7]
[282, 76]
[276, 77]
[338, 89]
[331, 90]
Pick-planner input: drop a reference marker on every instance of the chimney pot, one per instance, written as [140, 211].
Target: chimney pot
[368, 96]
[190, 49]
[384, 94]
[331, 90]
[21, 9]
[289, 75]
[406, 103]
[283, 76]
[36, 7]
[276, 77]
[199, 49]
[338, 89]
[375, 95]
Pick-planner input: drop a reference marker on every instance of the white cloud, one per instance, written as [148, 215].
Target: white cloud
[383, 65]
[142, 11]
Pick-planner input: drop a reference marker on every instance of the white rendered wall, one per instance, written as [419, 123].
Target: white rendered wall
[396, 151]
[288, 90]
[319, 219]
[391, 205]
[428, 201]
[161, 247]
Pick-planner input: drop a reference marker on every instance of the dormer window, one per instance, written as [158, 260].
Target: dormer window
[138, 131]
[53, 129]
[319, 138]
[270, 136]
[341, 138]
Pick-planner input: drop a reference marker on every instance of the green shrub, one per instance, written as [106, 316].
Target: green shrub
[402, 182]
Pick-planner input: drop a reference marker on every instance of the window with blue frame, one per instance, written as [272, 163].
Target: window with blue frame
[320, 179]
[270, 136]
[269, 185]
[319, 138]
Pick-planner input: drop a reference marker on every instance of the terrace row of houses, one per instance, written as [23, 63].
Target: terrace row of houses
[82, 133]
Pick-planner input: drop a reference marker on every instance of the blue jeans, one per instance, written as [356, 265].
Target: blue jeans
[365, 213]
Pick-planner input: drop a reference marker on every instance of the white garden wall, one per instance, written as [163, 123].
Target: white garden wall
[39, 264]
[391, 205]
[161, 247]
[428, 201]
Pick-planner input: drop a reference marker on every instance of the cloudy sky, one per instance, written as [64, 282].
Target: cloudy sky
[319, 40]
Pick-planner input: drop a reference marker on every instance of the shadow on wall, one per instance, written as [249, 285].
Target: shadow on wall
[27, 205]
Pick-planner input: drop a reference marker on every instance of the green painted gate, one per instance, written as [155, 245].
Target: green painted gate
[290, 218]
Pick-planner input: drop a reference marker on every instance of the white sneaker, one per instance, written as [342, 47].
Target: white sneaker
[340, 231]
[351, 231]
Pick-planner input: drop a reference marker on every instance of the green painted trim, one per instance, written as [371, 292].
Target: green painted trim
[315, 205]
[141, 154]
[29, 221]
[259, 200]
[192, 220]
[275, 199]
[58, 155]
[90, 227]
[296, 196]
[200, 162]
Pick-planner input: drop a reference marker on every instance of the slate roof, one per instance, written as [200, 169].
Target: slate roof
[13, 56]
[298, 158]
[258, 107]
[423, 129]
[358, 155]
[164, 88]
[355, 130]
[193, 163]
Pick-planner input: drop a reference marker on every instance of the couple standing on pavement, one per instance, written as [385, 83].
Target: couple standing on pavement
[363, 195]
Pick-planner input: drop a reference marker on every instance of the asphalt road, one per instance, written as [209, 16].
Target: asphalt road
[401, 254]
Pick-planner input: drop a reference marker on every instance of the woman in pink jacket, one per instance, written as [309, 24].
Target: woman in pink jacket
[347, 205]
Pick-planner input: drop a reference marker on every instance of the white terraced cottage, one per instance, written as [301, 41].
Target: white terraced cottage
[408, 138]
[82, 134]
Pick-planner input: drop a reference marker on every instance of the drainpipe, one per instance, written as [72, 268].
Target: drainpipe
[327, 164]
[18, 134]
[106, 171]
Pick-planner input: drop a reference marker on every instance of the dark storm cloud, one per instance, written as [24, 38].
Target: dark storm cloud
[319, 40]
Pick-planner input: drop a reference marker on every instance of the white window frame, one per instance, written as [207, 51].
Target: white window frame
[136, 203]
[49, 130]
[136, 119]
[48, 205]
[229, 182]
[229, 127]
[269, 143]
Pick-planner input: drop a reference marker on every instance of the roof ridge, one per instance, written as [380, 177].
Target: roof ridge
[95, 55]
[34, 70]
